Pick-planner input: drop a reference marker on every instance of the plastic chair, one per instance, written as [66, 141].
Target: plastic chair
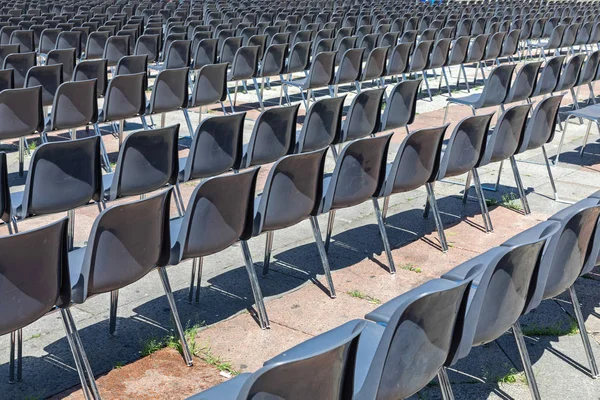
[363, 118]
[321, 74]
[322, 125]
[244, 66]
[210, 87]
[170, 93]
[20, 63]
[92, 69]
[48, 77]
[401, 105]
[66, 57]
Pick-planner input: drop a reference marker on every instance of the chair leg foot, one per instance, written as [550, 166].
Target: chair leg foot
[533, 388]
[584, 335]
[257, 293]
[322, 253]
[384, 236]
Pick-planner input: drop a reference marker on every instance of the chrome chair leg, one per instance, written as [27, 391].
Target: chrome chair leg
[258, 297]
[467, 188]
[188, 121]
[384, 236]
[436, 216]
[330, 221]
[520, 188]
[484, 210]
[76, 356]
[533, 388]
[562, 139]
[386, 204]
[268, 247]
[584, 335]
[445, 385]
[323, 254]
[112, 319]
[187, 355]
[192, 280]
[179, 200]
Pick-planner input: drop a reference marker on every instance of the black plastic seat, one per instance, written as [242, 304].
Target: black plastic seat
[321, 75]
[148, 45]
[66, 57]
[244, 66]
[322, 125]
[48, 77]
[364, 116]
[20, 63]
[69, 40]
[48, 40]
[170, 93]
[524, 84]
[210, 87]
[549, 76]
[95, 45]
[92, 69]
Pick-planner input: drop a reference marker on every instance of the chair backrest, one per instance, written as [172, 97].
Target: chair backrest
[132, 65]
[420, 56]
[273, 60]
[364, 116]
[92, 69]
[48, 39]
[205, 53]
[332, 359]
[417, 161]
[542, 124]
[399, 59]
[148, 160]
[21, 112]
[219, 213]
[416, 341]
[321, 71]
[477, 49]
[48, 77]
[358, 174]
[273, 136]
[299, 57]
[459, 51]
[126, 242]
[95, 45]
[589, 69]
[170, 91]
[149, 45]
[496, 87]
[570, 73]
[375, 65]
[569, 35]
[39, 280]
[24, 38]
[548, 78]
[439, 53]
[322, 124]
[229, 48]
[69, 40]
[20, 63]
[507, 135]
[556, 37]
[125, 97]
[466, 146]
[217, 147]
[292, 191]
[62, 176]
[245, 63]
[178, 54]
[210, 86]
[401, 105]
[524, 84]
[75, 105]
[115, 48]
[66, 57]
[350, 66]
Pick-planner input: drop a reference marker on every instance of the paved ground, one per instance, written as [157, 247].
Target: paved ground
[228, 338]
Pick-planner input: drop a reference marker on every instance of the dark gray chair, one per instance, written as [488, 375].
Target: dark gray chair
[219, 214]
[273, 136]
[588, 73]
[66, 57]
[524, 84]
[244, 66]
[69, 40]
[494, 92]
[20, 63]
[416, 164]
[115, 48]
[22, 306]
[147, 161]
[549, 76]
[62, 176]
[95, 45]
[511, 272]
[148, 45]
[457, 57]
[272, 64]
[322, 125]
[321, 75]
[48, 77]
[292, 194]
[332, 354]
[401, 106]
[127, 241]
[217, 147]
[5, 200]
[93, 69]
[210, 87]
[349, 70]
[170, 93]
[363, 118]
[48, 39]
[357, 177]
[22, 111]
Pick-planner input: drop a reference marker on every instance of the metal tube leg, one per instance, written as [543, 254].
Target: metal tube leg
[86, 364]
[467, 188]
[583, 332]
[188, 121]
[484, 210]
[427, 85]
[19, 355]
[112, 319]
[268, 247]
[163, 118]
[445, 385]
[330, 221]
[76, 356]
[167, 286]
[323, 254]
[11, 362]
[446, 80]
[465, 76]
[516, 328]
[562, 139]
[550, 173]
[437, 217]
[191, 289]
[386, 204]
[179, 200]
[144, 122]
[585, 138]
[199, 278]
[258, 297]
[121, 132]
[446, 114]
[384, 236]
[520, 188]
[107, 166]
[259, 94]
[21, 154]
[71, 228]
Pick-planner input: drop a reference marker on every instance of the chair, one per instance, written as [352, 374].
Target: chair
[331, 353]
[24, 39]
[401, 105]
[65, 57]
[115, 48]
[549, 76]
[320, 75]
[96, 44]
[291, 194]
[587, 75]
[437, 59]
[62, 176]
[129, 65]
[217, 147]
[147, 45]
[48, 77]
[205, 53]
[363, 118]
[349, 70]
[272, 64]
[416, 164]
[92, 69]
[210, 87]
[244, 66]
[22, 111]
[273, 136]
[511, 272]
[456, 57]
[127, 241]
[69, 40]
[20, 63]
[177, 55]
[6, 49]
[398, 60]
[503, 143]
[374, 67]
[524, 84]
[170, 93]
[494, 92]
[48, 40]
[553, 42]
[322, 125]
[227, 199]
[5, 203]
[410, 339]
[358, 174]
[50, 264]
[591, 114]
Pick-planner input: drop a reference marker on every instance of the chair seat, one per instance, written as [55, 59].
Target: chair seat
[107, 181]
[182, 163]
[326, 182]
[16, 199]
[175, 227]
[471, 99]
[590, 112]
[226, 390]
[300, 82]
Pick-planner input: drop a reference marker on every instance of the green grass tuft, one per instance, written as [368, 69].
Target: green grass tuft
[410, 267]
[36, 336]
[208, 357]
[557, 329]
[513, 376]
[360, 295]
[511, 201]
[119, 365]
